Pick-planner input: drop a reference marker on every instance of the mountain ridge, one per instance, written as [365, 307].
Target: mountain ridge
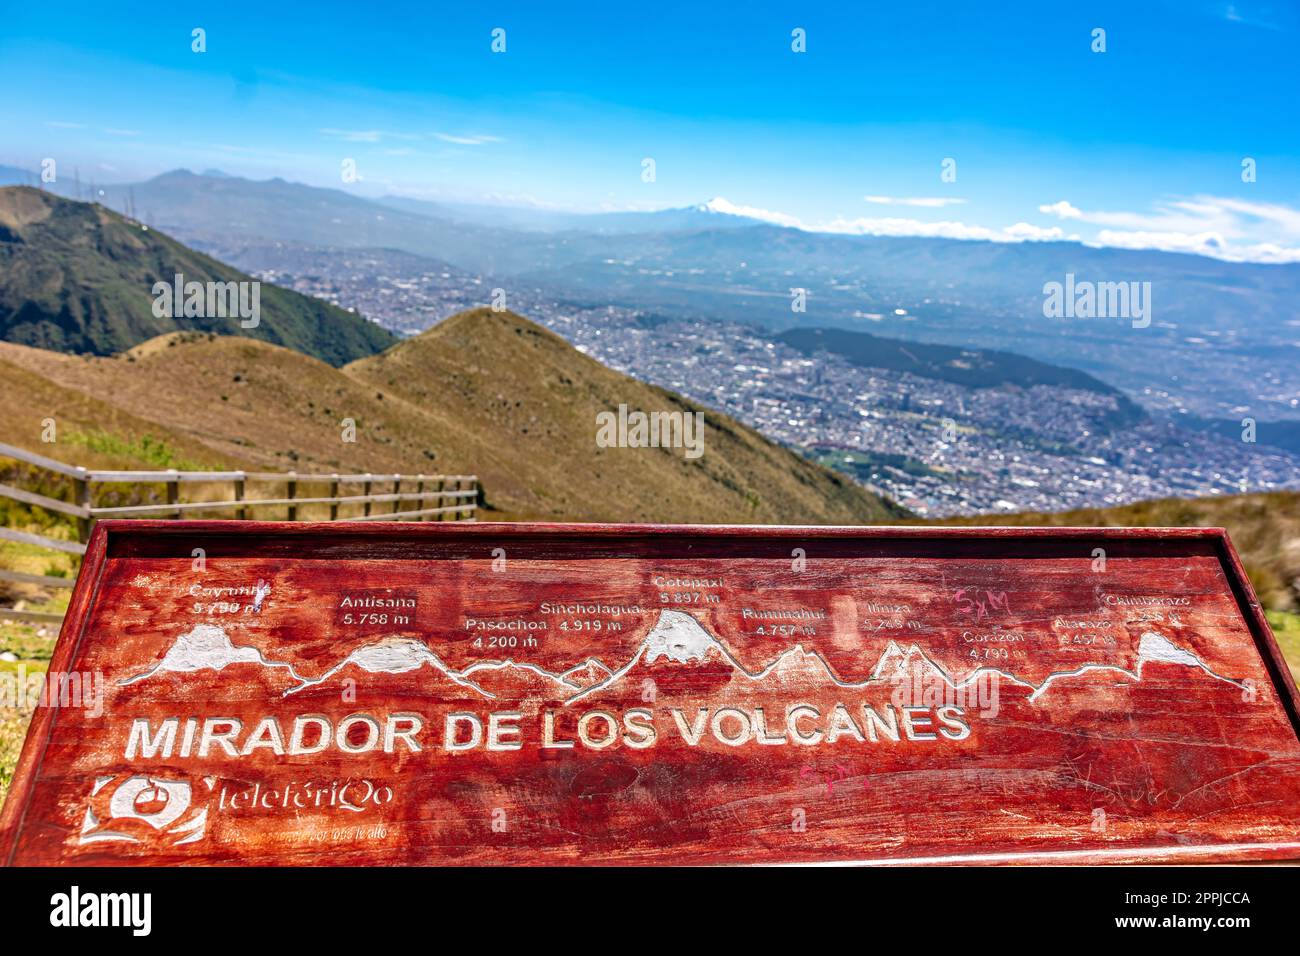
[80, 278]
[973, 368]
[470, 353]
[485, 393]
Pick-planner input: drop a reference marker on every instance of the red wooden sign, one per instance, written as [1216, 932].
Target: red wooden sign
[551, 694]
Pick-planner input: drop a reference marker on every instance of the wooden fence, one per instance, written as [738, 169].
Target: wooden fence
[435, 498]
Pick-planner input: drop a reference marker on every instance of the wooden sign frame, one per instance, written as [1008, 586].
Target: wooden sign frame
[640, 805]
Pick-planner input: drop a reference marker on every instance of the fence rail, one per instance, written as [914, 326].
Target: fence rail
[448, 497]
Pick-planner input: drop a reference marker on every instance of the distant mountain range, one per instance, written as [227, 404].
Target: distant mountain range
[77, 277]
[708, 215]
[1225, 337]
[1198, 290]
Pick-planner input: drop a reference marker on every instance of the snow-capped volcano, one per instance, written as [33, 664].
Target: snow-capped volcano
[724, 207]
[678, 637]
[1157, 647]
[1153, 648]
[206, 647]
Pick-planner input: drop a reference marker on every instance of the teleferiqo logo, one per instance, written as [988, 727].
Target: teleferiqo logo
[146, 810]
[76, 908]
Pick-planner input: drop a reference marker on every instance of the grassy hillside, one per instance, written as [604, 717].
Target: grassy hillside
[485, 393]
[76, 277]
[537, 398]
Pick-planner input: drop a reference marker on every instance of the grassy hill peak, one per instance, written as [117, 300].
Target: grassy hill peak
[78, 277]
[487, 393]
[536, 395]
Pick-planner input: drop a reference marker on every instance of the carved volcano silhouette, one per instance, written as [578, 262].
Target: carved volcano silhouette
[207, 664]
[678, 643]
[392, 655]
[679, 637]
[520, 680]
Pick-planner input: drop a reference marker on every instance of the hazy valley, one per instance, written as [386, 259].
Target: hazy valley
[943, 430]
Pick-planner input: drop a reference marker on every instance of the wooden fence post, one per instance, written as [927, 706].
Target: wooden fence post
[397, 490]
[174, 493]
[442, 485]
[365, 490]
[81, 490]
[334, 493]
[242, 513]
[292, 492]
[419, 506]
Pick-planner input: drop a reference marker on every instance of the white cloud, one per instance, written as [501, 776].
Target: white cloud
[893, 225]
[726, 207]
[61, 124]
[1027, 231]
[365, 135]
[468, 140]
[354, 135]
[1234, 230]
[1225, 228]
[1270, 253]
[928, 202]
[1202, 244]
[945, 229]
[1062, 210]
[1172, 217]
[1285, 217]
[380, 135]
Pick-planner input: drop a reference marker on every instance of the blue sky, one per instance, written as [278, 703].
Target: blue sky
[1140, 145]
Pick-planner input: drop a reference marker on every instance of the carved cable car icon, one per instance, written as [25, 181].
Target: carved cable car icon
[151, 800]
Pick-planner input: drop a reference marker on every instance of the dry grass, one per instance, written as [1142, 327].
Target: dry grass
[1286, 628]
[483, 393]
[33, 651]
